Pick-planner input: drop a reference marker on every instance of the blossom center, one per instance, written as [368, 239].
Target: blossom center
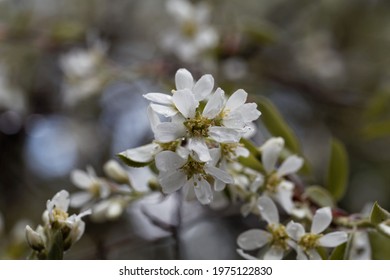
[59, 215]
[273, 182]
[198, 126]
[193, 167]
[170, 146]
[309, 241]
[189, 29]
[279, 236]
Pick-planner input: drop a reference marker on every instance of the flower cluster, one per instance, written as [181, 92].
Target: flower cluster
[201, 136]
[59, 231]
[280, 239]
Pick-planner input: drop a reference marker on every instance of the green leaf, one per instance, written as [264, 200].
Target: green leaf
[277, 126]
[132, 163]
[252, 162]
[251, 147]
[380, 246]
[338, 169]
[319, 196]
[378, 214]
[338, 252]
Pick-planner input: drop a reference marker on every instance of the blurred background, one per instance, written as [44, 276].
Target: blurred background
[72, 75]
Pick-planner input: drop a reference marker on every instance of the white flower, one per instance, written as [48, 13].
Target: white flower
[93, 187]
[188, 172]
[307, 243]
[116, 172]
[193, 35]
[276, 185]
[275, 236]
[35, 239]
[109, 209]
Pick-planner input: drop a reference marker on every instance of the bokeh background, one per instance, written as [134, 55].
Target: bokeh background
[72, 75]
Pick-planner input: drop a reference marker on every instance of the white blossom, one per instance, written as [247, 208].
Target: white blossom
[307, 243]
[275, 237]
[276, 185]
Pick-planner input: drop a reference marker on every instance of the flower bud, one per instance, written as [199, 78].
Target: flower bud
[116, 172]
[34, 239]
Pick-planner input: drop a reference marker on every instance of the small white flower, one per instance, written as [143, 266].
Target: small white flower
[35, 239]
[109, 209]
[93, 187]
[276, 185]
[188, 172]
[116, 172]
[276, 235]
[307, 243]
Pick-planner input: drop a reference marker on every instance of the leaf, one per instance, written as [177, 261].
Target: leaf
[132, 163]
[319, 196]
[251, 147]
[380, 246]
[338, 252]
[378, 214]
[338, 169]
[252, 162]
[277, 126]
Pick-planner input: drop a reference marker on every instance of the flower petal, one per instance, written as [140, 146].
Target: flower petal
[203, 87]
[166, 111]
[169, 131]
[219, 185]
[314, 255]
[60, 200]
[81, 179]
[224, 134]
[203, 190]
[248, 112]
[270, 152]
[237, 99]
[274, 253]
[172, 181]
[268, 210]
[245, 255]
[160, 98]
[291, 165]
[185, 102]
[295, 230]
[321, 220]
[142, 154]
[301, 254]
[184, 79]
[253, 239]
[169, 161]
[333, 239]
[219, 174]
[214, 104]
[78, 199]
[284, 195]
[153, 118]
[198, 145]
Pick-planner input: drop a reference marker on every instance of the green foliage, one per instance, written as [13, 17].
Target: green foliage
[380, 246]
[338, 253]
[277, 126]
[132, 163]
[338, 169]
[319, 196]
[378, 214]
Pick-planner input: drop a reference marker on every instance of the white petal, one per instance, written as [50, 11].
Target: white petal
[215, 154]
[268, 210]
[114, 210]
[385, 228]
[301, 254]
[219, 174]
[248, 112]
[291, 165]
[81, 179]
[61, 200]
[270, 152]
[153, 119]
[274, 253]
[241, 151]
[314, 255]
[169, 131]
[219, 185]
[224, 134]
[169, 161]
[214, 104]
[245, 255]
[203, 87]
[78, 199]
[172, 181]
[198, 145]
[166, 111]
[142, 154]
[237, 99]
[233, 120]
[295, 230]
[184, 79]
[160, 98]
[253, 239]
[203, 190]
[185, 102]
[321, 220]
[257, 183]
[333, 239]
[284, 196]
